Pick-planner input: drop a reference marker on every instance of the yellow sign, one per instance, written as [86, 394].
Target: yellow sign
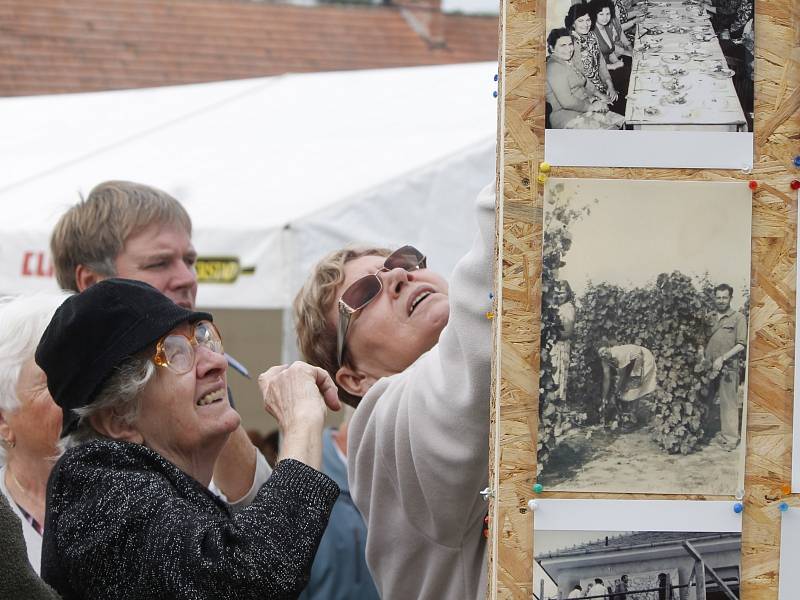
[220, 269]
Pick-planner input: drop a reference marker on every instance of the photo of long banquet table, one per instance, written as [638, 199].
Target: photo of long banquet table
[680, 79]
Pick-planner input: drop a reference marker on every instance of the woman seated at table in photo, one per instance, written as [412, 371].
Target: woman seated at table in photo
[574, 101]
[614, 46]
[29, 419]
[628, 18]
[579, 21]
[142, 385]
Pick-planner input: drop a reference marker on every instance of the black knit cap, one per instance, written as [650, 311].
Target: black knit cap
[95, 331]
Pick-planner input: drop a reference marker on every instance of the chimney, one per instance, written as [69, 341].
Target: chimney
[425, 18]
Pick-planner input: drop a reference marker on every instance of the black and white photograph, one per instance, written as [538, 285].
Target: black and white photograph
[649, 66]
[637, 565]
[644, 335]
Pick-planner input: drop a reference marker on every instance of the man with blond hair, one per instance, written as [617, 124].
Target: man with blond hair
[134, 231]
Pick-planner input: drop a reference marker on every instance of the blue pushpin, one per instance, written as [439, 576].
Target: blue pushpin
[797, 161]
[491, 296]
[496, 77]
[783, 507]
[738, 507]
[494, 93]
[537, 488]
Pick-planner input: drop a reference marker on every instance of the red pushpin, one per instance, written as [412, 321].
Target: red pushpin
[753, 184]
[795, 185]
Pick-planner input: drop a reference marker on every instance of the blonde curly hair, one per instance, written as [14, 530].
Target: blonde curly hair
[316, 337]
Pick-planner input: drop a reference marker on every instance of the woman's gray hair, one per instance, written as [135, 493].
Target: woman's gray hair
[23, 320]
[120, 394]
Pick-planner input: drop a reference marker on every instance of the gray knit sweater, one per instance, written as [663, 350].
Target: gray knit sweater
[124, 523]
[18, 580]
[418, 449]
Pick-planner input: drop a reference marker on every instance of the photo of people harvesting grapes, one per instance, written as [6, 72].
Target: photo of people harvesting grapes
[644, 322]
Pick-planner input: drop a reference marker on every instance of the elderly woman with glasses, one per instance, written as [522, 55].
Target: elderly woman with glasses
[142, 385]
[412, 354]
[29, 419]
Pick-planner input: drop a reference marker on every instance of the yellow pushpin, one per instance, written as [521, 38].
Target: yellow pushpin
[489, 315]
[542, 178]
[544, 167]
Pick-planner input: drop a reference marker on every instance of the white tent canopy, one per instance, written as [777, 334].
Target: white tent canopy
[274, 172]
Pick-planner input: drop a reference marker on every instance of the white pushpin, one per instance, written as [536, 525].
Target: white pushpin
[533, 504]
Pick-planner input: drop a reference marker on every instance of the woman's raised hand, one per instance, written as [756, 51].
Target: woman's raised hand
[298, 396]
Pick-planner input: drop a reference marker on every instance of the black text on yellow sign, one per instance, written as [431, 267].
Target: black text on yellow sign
[224, 269]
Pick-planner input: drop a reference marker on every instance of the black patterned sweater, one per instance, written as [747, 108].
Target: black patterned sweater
[123, 522]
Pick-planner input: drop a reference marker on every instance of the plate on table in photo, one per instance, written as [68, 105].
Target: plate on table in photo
[702, 36]
[650, 46]
[680, 29]
[650, 61]
[673, 71]
[655, 30]
[674, 84]
[674, 99]
[634, 399]
[718, 69]
[674, 59]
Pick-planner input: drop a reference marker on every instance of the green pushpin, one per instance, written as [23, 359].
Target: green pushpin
[537, 488]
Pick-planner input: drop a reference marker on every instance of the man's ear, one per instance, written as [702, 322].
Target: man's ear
[86, 276]
[354, 381]
[110, 425]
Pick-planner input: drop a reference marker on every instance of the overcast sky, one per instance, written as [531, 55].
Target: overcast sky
[638, 229]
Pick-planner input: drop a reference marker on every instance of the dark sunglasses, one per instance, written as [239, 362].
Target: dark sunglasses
[363, 291]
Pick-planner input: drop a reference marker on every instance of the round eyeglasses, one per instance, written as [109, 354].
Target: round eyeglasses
[176, 351]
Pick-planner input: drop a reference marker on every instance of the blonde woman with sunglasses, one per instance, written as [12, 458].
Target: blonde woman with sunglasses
[142, 385]
[412, 354]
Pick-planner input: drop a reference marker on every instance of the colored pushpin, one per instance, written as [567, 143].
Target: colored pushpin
[491, 296]
[489, 315]
[795, 185]
[496, 77]
[532, 504]
[797, 161]
[738, 507]
[753, 184]
[783, 507]
[494, 93]
[544, 167]
[537, 488]
[786, 489]
[541, 178]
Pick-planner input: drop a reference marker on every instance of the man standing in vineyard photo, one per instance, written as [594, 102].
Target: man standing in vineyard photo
[728, 339]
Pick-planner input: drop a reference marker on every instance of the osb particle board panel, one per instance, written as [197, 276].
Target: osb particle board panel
[513, 441]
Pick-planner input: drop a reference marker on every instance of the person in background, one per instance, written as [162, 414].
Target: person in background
[614, 45]
[134, 231]
[561, 349]
[340, 568]
[413, 355]
[30, 421]
[634, 371]
[142, 385]
[577, 592]
[17, 577]
[621, 589]
[579, 21]
[574, 101]
[728, 340]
